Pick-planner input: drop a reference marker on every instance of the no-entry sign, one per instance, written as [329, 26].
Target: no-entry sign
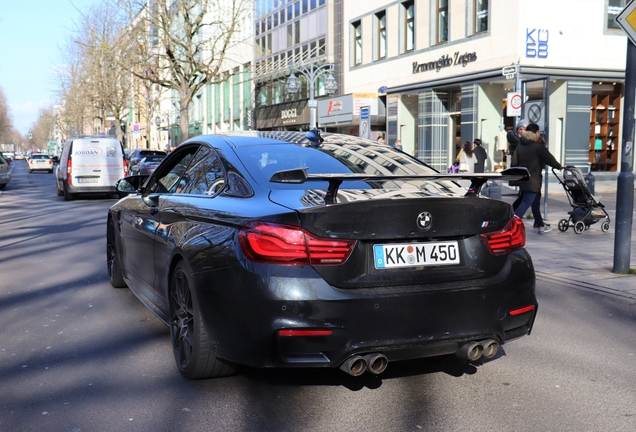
[513, 105]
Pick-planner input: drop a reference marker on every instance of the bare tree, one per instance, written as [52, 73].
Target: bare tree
[99, 37]
[42, 129]
[6, 122]
[75, 110]
[183, 45]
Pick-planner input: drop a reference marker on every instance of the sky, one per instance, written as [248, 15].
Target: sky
[32, 35]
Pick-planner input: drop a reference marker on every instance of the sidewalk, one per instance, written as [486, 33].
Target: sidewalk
[583, 260]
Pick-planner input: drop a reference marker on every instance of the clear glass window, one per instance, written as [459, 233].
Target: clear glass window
[442, 21]
[409, 26]
[614, 7]
[357, 42]
[481, 16]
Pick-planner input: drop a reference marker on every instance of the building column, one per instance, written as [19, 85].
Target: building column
[432, 135]
[577, 124]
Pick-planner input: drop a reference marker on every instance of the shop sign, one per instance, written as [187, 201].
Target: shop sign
[287, 114]
[537, 43]
[343, 109]
[445, 61]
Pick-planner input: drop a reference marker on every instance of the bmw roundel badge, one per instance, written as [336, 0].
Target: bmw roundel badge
[424, 220]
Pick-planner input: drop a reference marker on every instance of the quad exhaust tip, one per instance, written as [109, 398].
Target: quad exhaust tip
[356, 365]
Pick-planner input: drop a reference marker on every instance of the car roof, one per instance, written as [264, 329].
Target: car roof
[245, 138]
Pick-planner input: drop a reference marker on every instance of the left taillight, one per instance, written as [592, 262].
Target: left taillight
[509, 239]
[283, 244]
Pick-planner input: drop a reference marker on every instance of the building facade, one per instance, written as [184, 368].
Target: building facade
[437, 65]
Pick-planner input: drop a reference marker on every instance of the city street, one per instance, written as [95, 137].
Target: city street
[79, 355]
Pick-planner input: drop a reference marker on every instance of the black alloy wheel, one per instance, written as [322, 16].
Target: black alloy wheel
[114, 265]
[190, 343]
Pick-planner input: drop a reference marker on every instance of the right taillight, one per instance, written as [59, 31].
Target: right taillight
[509, 239]
[69, 171]
[283, 244]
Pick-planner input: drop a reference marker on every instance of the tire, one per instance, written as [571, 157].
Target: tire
[114, 262]
[67, 195]
[579, 227]
[50, 171]
[30, 171]
[605, 226]
[192, 349]
[564, 224]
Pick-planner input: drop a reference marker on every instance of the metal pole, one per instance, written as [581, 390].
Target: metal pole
[312, 101]
[625, 181]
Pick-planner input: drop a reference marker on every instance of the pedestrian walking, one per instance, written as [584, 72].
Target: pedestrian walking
[481, 155]
[531, 153]
[514, 136]
[398, 144]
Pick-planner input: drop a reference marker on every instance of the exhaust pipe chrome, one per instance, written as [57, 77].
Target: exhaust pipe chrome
[491, 347]
[470, 351]
[354, 366]
[376, 363]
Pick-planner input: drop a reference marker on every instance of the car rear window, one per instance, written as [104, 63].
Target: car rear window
[39, 156]
[262, 161]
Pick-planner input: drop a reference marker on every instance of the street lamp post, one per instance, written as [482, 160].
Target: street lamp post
[311, 72]
[158, 123]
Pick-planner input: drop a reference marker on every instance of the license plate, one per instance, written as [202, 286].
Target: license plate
[87, 179]
[415, 254]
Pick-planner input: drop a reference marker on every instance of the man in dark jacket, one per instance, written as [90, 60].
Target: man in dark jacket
[481, 155]
[532, 154]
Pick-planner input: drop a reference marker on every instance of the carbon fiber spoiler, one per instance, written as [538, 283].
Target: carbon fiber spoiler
[300, 175]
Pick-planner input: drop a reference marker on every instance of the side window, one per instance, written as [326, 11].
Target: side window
[170, 180]
[205, 176]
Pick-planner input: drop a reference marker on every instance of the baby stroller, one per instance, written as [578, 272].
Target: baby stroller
[585, 209]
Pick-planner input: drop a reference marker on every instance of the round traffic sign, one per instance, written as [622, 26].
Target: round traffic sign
[515, 101]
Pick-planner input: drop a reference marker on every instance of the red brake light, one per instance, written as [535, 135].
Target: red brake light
[69, 171]
[304, 333]
[125, 167]
[283, 244]
[509, 239]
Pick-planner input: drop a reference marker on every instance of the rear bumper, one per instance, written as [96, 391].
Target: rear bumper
[402, 323]
[90, 189]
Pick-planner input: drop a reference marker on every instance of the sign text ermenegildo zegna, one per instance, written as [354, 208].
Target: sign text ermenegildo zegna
[445, 61]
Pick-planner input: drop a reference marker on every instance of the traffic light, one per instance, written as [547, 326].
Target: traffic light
[30, 136]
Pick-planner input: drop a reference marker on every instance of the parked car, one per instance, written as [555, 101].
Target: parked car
[40, 162]
[147, 165]
[5, 175]
[90, 165]
[280, 249]
[136, 155]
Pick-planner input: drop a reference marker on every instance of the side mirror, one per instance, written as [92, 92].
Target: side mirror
[130, 184]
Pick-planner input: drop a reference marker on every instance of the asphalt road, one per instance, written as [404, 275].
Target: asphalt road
[79, 355]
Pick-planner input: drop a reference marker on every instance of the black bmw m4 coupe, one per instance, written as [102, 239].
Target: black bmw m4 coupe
[292, 249]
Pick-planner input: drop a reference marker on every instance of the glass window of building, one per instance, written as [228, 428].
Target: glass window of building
[481, 16]
[357, 42]
[381, 34]
[614, 7]
[442, 21]
[409, 25]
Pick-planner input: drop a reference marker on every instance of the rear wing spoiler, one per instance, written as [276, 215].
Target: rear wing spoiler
[477, 180]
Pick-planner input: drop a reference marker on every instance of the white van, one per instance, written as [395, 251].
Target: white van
[90, 165]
